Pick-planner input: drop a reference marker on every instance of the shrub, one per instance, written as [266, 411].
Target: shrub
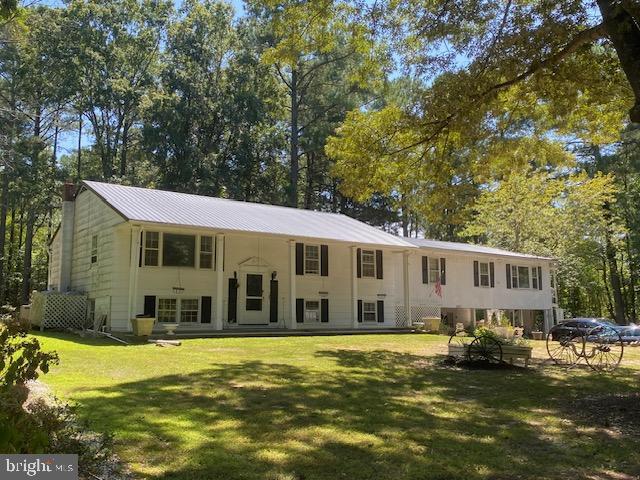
[21, 360]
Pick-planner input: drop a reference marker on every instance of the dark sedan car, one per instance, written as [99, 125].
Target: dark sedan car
[583, 325]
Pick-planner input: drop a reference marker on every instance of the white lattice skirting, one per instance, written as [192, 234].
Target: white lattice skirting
[418, 312]
[58, 310]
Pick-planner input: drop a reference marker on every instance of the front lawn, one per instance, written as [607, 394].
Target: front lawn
[352, 407]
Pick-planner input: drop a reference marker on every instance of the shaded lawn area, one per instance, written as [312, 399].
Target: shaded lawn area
[353, 407]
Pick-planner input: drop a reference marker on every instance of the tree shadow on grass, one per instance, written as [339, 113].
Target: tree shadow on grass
[359, 415]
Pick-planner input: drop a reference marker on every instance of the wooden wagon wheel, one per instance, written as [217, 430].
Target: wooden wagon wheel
[565, 346]
[459, 338]
[603, 349]
[485, 349]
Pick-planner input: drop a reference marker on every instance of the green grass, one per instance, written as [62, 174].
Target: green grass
[352, 407]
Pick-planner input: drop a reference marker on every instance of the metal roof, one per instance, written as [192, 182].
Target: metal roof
[172, 208]
[470, 248]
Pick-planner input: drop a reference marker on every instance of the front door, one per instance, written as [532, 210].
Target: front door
[254, 310]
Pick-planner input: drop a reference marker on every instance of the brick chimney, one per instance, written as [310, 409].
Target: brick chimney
[66, 235]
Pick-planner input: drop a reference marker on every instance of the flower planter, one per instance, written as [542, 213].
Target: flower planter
[510, 353]
[142, 326]
[537, 335]
[503, 332]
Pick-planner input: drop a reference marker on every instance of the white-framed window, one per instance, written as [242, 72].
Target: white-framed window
[368, 262]
[189, 310]
[206, 252]
[534, 278]
[94, 249]
[151, 249]
[520, 277]
[167, 310]
[369, 312]
[485, 280]
[311, 311]
[311, 259]
[434, 270]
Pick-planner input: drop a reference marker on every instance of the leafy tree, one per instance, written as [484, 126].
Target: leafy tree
[112, 51]
[308, 38]
[558, 216]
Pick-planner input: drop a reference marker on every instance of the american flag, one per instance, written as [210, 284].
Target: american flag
[438, 288]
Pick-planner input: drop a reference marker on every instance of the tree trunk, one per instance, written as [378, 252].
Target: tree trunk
[624, 32]
[404, 216]
[28, 250]
[632, 281]
[294, 165]
[606, 288]
[308, 191]
[616, 284]
[123, 153]
[79, 165]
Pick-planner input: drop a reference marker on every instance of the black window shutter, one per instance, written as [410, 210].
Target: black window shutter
[476, 274]
[300, 310]
[508, 275]
[299, 258]
[359, 311]
[273, 301]
[215, 254]
[150, 305]
[232, 305]
[539, 278]
[380, 311]
[425, 269]
[379, 264]
[492, 280]
[324, 260]
[141, 250]
[205, 316]
[324, 310]
[443, 271]
[359, 262]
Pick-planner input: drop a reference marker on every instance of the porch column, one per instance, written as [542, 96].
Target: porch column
[217, 320]
[405, 289]
[133, 271]
[548, 320]
[354, 286]
[292, 284]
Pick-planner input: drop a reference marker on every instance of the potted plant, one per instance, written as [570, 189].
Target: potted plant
[142, 325]
[537, 333]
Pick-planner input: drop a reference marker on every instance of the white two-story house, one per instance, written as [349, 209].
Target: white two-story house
[214, 264]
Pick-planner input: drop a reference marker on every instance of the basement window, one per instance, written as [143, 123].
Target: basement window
[167, 310]
[369, 311]
[188, 310]
[94, 249]
[312, 311]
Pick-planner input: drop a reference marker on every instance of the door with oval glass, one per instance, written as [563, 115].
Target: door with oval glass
[255, 310]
